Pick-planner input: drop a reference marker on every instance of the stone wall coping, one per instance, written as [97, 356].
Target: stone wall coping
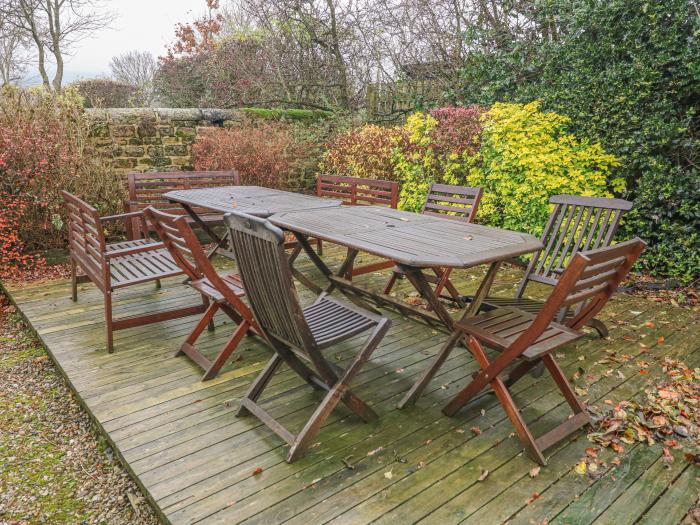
[210, 115]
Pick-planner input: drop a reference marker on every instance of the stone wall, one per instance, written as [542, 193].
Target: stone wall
[153, 139]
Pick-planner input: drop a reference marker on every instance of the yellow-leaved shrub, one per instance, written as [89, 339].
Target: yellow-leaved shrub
[526, 156]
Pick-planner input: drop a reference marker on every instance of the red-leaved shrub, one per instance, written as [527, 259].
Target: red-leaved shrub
[42, 151]
[365, 152]
[458, 130]
[264, 153]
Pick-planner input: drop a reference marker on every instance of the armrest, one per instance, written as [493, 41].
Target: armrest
[149, 247]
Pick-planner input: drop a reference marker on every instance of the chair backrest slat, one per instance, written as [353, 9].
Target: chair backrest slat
[86, 239]
[576, 224]
[267, 279]
[147, 189]
[586, 285]
[453, 202]
[358, 190]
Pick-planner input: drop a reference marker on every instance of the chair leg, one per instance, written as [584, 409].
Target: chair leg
[158, 284]
[503, 396]
[260, 383]
[108, 322]
[319, 246]
[560, 379]
[520, 370]
[198, 328]
[337, 393]
[599, 327]
[73, 280]
[227, 350]
[517, 420]
[303, 439]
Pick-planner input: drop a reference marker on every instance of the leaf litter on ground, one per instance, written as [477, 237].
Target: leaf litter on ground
[668, 413]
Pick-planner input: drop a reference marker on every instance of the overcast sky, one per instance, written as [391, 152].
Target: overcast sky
[139, 24]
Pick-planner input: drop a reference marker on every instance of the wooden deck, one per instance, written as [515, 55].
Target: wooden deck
[196, 461]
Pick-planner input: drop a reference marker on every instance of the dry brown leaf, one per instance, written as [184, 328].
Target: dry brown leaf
[531, 499]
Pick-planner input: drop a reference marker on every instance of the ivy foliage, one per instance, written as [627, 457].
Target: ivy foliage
[627, 74]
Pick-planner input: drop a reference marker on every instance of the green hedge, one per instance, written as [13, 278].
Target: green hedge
[627, 73]
[287, 114]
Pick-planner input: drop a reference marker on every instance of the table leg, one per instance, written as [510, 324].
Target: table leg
[418, 280]
[315, 259]
[219, 242]
[421, 284]
[483, 290]
[342, 272]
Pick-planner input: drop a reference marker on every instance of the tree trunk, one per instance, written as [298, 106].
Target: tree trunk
[52, 13]
[28, 14]
[339, 60]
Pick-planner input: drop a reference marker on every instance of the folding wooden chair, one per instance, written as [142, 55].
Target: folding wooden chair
[459, 203]
[527, 339]
[298, 335]
[221, 292]
[576, 224]
[112, 266]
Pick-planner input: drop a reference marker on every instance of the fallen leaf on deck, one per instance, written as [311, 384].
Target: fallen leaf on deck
[581, 468]
[388, 474]
[667, 457]
[692, 458]
[666, 407]
[592, 452]
[475, 430]
[257, 471]
[531, 499]
[484, 475]
[534, 472]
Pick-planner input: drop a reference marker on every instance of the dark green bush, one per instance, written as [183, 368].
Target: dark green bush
[627, 73]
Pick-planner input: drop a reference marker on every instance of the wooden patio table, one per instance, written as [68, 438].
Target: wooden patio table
[253, 200]
[414, 242]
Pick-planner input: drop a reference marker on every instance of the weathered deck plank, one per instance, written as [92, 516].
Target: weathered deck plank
[195, 459]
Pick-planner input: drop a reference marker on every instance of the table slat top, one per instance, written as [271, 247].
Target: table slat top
[409, 238]
[254, 200]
